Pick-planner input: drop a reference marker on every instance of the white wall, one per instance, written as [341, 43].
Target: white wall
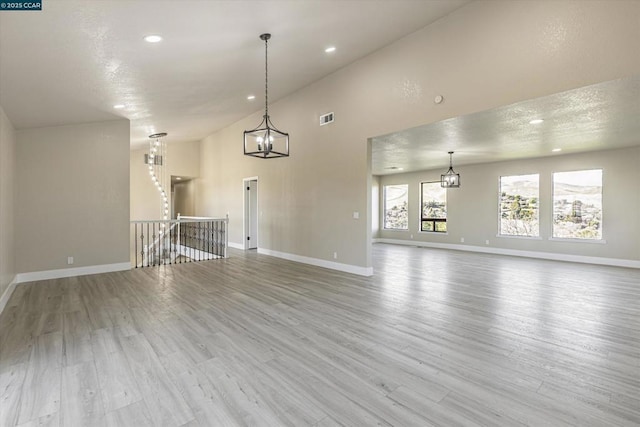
[7, 205]
[72, 196]
[484, 55]
[472, 209]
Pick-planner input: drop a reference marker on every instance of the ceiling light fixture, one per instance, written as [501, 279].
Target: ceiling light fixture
[536, 121]
[266, 141]
[330, 49]
[555, 150]
[450, 179]
[156, 161]
[251, 97]
[118, 106]
[153, 38]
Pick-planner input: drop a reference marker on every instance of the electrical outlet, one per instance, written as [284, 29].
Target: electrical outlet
[486, 242]
[462, 240]
[69, 260]
[412, 236]
[356, 215]
[335, 255]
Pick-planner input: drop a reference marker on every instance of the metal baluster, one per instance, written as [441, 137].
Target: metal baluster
[135, 242]
[215, 239]
[141, 246]
[163, 243]
[147, 246]
[153, 242]
[226, 236]
[171, 245]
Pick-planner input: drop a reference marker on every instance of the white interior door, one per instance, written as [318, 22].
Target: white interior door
[251, 213]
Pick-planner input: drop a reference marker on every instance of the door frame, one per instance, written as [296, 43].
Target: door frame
[245, 213]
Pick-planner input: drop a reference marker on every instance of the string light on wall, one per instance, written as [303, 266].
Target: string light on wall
[266, 141]
[156, 161]
[451, 179]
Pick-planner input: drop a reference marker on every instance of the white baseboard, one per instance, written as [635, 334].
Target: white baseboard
[236, 246]
[6, 296]
[70, 272]
[347, 268]
[614, 262]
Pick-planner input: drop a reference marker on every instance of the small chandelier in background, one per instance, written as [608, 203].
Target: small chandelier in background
[450, 179]
[266, 141]
[156, 161]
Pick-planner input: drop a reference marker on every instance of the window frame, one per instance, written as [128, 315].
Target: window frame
[434, 221]
[553, 237]
[517, 236]
[384, 207]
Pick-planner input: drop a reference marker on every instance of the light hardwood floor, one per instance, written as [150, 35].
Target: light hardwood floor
[433, 338]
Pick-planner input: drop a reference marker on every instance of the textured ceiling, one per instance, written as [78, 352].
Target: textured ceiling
[597, 117]
[75, 60]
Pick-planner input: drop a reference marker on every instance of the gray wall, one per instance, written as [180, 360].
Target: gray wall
[472, 209]
[184, 196]
[7, 182]
[484, 55]
[72, 196]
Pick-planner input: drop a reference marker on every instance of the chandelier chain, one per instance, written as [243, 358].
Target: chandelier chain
[266, 78]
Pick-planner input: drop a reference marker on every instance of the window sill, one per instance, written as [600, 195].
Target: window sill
[395, 229]
[431, 233]
[566, 239]
[508, 236]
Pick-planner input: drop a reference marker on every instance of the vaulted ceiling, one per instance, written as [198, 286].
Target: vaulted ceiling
[74, 61]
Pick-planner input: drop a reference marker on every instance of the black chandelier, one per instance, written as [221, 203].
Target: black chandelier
[450, 179]
[266, 141]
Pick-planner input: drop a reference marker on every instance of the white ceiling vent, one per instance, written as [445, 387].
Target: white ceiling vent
[325, 119]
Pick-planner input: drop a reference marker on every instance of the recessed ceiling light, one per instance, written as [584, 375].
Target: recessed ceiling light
[555, 150]
[536, 121]
[251, 97]
[153, 38]
[330, 49]
[178, 178]
[118, 106]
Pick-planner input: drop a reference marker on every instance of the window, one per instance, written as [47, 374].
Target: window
[577, 204]
[396, 199]
[519, 200]
[433, 202]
